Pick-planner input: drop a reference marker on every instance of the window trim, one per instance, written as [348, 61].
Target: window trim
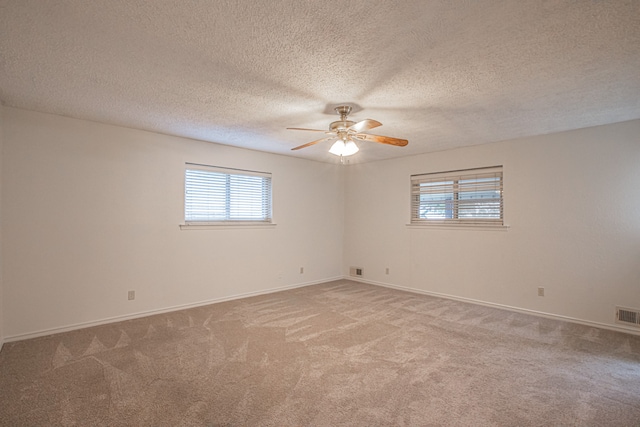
[228, 223]
[456, 176]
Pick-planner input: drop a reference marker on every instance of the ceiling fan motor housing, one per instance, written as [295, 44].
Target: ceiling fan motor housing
[340, 125]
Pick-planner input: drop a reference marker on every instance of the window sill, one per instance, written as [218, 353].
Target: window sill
[459, 227]
[235, 226]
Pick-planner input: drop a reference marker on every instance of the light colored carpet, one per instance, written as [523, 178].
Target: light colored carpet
[340, 353]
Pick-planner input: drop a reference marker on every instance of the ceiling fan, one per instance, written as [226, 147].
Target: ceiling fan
[346, 132]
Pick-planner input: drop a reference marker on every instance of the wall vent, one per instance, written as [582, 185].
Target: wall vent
[355, 271]
[628, 316]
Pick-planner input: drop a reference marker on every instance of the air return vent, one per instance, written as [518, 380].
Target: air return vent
[628, 316]
[355, 271]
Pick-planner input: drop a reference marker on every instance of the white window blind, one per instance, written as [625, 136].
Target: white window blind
[466, 197]
[215, 195]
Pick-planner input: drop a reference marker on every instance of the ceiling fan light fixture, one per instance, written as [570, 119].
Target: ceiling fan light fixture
[344, 148]
[346, 131]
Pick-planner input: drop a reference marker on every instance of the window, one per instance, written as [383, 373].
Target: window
[466, 197]
[214, 195]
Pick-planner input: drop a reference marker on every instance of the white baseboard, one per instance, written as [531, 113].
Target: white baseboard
[45, 332]
[114, 319]
[610, 327]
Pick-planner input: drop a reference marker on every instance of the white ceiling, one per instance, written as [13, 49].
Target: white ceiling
[441, 74]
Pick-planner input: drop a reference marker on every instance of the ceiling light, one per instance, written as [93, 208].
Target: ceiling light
[344, 148]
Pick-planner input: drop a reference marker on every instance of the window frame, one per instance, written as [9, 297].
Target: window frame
[225, 184]
[479, 180]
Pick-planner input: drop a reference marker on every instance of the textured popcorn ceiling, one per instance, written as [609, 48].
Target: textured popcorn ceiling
[441, 74]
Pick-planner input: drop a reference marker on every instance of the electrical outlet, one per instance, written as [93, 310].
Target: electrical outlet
[132, 295]
[540, 292]
[301, 270]
[386, 270]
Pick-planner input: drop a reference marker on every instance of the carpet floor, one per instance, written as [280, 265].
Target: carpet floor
[336, 354]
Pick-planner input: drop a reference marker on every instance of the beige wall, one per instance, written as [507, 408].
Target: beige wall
[91, 211]
[572, 202]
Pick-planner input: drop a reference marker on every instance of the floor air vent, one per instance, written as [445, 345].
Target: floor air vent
[628, 316]
[355, 271]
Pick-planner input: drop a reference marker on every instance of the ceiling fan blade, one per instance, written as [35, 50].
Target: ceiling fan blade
[365, 124]
[312, 130]
[382, 139]
[309, 144]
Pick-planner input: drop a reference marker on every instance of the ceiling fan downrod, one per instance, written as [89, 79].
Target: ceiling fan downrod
[342, 124]
[344, 111]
